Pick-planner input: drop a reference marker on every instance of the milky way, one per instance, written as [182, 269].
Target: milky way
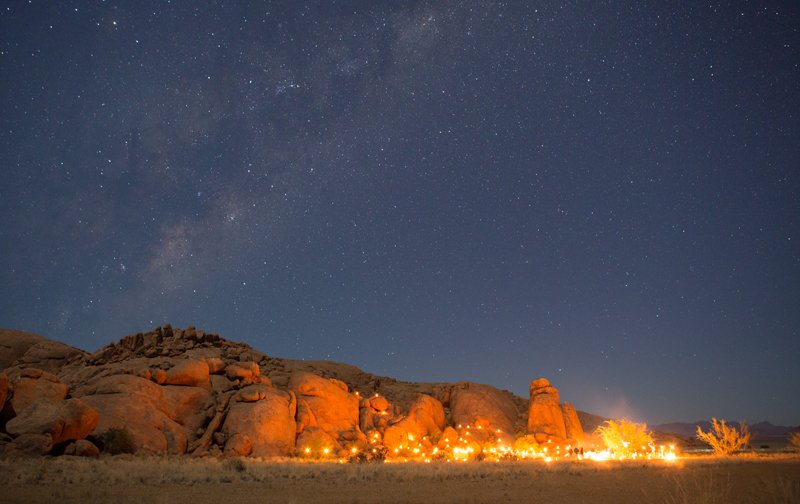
[605, 194]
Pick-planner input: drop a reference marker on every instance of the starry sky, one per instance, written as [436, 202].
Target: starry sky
[603, 193]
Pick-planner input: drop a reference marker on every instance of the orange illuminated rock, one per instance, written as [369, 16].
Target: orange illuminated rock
[425, 419]
[526, 444]
[428, 414]
[189, 373]
[264, 428]
[242, 371]
[572, 424]
[239, 445]
[378, 403]
[316, 443]
[305, 416]
[326, 403]
[159, 376]
[471, 402]
[448, 439]
[35, 385]
[174, 390]
[545, 418]
[215, 365]
[159, 419]
[221, 384]
[375, 413]
[61, 420]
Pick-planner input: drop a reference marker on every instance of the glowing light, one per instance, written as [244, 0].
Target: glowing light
[492, 447]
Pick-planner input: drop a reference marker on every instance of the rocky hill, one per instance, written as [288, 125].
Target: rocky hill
[187, 391]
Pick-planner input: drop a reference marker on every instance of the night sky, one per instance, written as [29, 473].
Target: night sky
[605, 194]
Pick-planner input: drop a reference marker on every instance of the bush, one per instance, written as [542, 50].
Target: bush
[625, 437]
[794, 440]
[372, 454]
[116, 441]
[724, 440]
[235, 465]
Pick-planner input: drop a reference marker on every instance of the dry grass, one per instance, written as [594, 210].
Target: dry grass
[625, 437]
[723, 439]
[124, 478]
[709, 489]
[717, 488]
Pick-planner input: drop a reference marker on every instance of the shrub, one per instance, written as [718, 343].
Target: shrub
[794, 440]
[116, 441]
[376, 453]
[235, 465]
[625, 437]
[724, 440]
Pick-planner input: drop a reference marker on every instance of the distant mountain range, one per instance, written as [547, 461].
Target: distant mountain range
[758, 431]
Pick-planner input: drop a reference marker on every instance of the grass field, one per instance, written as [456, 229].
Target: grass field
[754, 479]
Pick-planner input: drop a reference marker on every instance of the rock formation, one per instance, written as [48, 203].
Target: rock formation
[54, 422]
[34, 385]
[549, 421]
[189, 391]
[472, 403]
[572, 425]
[425, 419]
[261, 423]
[328, 404]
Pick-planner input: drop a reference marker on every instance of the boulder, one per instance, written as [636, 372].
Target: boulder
[526, 444]
[82, 448]
[325, 403]
[32, 444]
[378, 403]
[238, 445]
[448, 439]
[425, 418]
[471, 402]
[190, 407]
[572, 424]
[428, 414]
[374, 413]
[63, 420]
[215, 365]
[262, 428]
[545, 418]
[221, 384]
[315, 442]
[30, 350]
[159, 376]
[35, 385]
[191, 373]
[149, 412]
[242, 371]
[305, 416]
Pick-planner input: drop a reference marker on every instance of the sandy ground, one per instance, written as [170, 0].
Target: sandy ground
[154, 480]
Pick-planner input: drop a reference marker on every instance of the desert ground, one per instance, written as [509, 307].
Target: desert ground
[756, 479]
